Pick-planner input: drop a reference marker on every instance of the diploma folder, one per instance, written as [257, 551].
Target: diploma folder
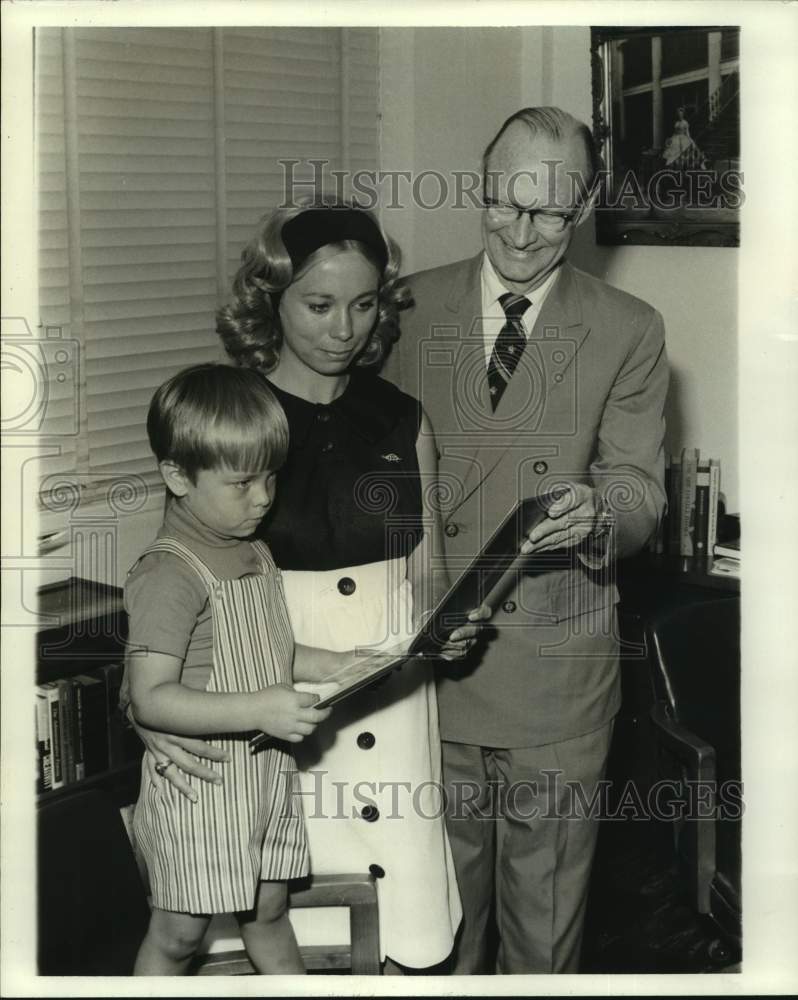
[465, 595]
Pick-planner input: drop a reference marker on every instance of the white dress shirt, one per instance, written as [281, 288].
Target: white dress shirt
[493, 316]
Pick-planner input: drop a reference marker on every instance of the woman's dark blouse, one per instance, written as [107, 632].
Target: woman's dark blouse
[349, 492]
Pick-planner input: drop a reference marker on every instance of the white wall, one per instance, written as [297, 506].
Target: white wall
[444, 93]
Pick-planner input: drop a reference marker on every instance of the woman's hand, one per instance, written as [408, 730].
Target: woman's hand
[179, 755]
[314, 665]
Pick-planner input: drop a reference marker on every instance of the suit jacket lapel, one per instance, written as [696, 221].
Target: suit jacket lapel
[560, 323]
[452, 366]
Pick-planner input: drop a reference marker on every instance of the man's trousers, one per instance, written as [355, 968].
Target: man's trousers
[523, 823]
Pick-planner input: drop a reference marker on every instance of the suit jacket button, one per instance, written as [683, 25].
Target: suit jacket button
[370, 813]
[377, 871]
[508, 607]
[327, 446]
[366, 740]
[451, 530]
[540, 468]
[347, 586]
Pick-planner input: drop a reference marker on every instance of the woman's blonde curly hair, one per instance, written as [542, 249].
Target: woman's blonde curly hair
[249, 325]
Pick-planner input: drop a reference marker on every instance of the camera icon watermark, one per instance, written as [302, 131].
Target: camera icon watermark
[59, 523]
[541, 398]
[40, 381]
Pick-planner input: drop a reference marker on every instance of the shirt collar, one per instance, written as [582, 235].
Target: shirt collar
[181, 522]
[362, 405]
[493, 289]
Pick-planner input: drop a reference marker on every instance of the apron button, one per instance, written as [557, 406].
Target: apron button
[451, 530]
[540, 468]
[370, 813]
[366, 741]
[347, 586]
[377, 871]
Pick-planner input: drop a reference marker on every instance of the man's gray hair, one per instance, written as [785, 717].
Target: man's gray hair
[557, 124]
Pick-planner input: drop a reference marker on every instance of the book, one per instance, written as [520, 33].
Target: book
[44, 761]
[712, 512]
[701, 544]
[54, 719]
[77, 731]
[66, 702]
[724, 566]
[674, 501]
[90, 698]
[731, 550]
[467, 593]
[690, 458]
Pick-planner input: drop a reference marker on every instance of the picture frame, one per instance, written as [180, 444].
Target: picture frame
[666, 121]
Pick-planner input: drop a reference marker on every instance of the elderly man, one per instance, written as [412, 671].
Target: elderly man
[538, 379]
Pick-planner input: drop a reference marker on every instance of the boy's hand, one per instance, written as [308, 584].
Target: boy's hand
[287, 714]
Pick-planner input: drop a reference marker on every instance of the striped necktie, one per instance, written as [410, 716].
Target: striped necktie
[509, 346]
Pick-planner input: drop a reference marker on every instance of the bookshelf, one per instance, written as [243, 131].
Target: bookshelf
[81, 739]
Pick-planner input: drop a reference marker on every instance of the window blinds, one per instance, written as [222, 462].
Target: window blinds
[158, 151]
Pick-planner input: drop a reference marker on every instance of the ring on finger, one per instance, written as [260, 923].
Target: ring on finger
[161, 766]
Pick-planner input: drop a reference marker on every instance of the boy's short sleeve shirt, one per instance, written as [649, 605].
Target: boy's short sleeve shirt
[167, 602]
[168, 612]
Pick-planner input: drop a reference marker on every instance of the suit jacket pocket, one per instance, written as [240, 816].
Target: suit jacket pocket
[564, 594]
[581, 592]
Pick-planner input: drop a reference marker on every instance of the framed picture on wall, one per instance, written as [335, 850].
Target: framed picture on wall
[666, 117]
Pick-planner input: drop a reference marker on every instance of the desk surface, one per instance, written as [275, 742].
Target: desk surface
[676, 569]
[75, 600]
[87, 628]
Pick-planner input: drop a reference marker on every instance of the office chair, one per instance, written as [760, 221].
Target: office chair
[694, 652]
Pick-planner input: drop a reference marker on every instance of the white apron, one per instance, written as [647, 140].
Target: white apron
[371, 774]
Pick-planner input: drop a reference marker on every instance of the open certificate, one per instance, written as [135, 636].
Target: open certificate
[483, 573]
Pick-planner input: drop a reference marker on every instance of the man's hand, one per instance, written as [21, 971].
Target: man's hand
[571, 518]
[463, 639]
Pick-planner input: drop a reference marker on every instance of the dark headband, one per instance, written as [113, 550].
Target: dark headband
[317, 227]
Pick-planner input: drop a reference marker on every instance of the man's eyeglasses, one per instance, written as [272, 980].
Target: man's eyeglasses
[547, 223]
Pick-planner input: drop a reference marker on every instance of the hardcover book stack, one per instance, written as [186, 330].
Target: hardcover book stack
[690, 526]
[726, 561]
[79, 729]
